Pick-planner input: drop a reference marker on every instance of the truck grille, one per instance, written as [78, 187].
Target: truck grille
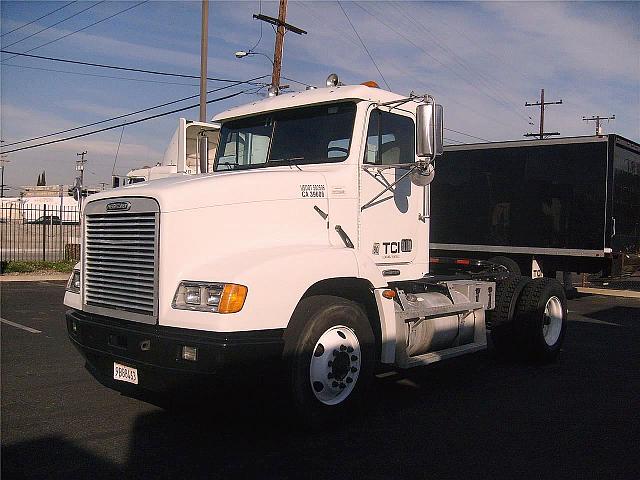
[120, 263]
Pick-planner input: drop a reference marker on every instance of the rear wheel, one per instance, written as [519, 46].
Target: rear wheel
[508, 263]
[331, 359]
[500, 319]
[541, 319]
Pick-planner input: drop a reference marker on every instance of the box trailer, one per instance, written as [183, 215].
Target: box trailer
[563, 204]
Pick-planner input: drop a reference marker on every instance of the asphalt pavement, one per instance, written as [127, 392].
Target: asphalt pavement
[472, 417]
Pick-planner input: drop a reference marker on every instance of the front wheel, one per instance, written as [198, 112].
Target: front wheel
[331, 360]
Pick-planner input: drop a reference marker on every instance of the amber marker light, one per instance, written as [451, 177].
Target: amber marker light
[371, 84]
[232, 298]
[390, 294]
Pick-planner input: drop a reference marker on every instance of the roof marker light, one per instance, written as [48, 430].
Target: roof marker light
[370, 83]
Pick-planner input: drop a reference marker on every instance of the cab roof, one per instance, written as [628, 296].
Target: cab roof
[309, 97]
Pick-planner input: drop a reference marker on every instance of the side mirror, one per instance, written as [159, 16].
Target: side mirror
[429, 130]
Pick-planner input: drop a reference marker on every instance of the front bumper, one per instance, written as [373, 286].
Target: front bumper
[155, 351]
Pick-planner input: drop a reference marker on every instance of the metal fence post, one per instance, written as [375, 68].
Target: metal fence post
[44, 232]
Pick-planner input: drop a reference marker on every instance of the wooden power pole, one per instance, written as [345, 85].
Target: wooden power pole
[542, 104]
[597, 119]
[282, 28]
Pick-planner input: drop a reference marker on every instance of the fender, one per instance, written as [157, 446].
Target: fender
[277, 276]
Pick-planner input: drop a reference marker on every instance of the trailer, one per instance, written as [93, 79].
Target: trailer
[556, 205]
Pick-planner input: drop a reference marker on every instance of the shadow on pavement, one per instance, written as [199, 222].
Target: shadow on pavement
[473, 417]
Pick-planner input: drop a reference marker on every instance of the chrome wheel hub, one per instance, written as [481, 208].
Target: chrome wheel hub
[335, 365]
[552, 322]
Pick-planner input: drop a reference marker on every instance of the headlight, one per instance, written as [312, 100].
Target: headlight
[73, 284]
[210, 297]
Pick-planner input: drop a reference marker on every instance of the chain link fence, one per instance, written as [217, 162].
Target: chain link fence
[39, 233]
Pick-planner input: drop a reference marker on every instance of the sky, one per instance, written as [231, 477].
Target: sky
[481, 60]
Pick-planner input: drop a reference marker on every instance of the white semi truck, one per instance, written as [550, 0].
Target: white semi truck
[305, 248]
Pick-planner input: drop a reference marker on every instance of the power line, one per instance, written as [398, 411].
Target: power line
[467, 135]
[427, 53]
[128, 114]
[39, 18]
[363, 45]
[98, 75]
[132, 122]
[57, 23]
[114, 67]
[84, 28]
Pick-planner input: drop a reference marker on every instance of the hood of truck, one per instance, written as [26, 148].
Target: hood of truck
[188, 192]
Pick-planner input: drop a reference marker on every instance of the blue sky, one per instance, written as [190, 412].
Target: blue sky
[482, 61]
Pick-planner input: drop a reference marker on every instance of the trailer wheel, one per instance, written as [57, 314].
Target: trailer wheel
[510, 264]
[331, 359]
[541, 319]
[499, 321]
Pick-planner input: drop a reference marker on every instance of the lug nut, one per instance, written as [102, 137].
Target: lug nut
[350, 349]
[354, 369]
[342, 348]
[349, 379]
[353, 358]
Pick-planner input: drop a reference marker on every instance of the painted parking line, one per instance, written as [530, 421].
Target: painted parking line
[21, 327]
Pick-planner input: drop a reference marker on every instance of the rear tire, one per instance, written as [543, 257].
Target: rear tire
[541, 319]
[331, 359]
[499, 321]
[510, 264]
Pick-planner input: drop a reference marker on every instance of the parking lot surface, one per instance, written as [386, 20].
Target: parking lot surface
[473, 417]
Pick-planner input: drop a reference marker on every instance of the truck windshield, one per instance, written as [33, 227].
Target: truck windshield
[317, 134]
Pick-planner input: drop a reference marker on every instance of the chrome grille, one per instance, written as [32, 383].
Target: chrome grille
[120, 260]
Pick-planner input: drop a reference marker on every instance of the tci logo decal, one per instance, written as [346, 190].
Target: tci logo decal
[118, 206]
[405, 245]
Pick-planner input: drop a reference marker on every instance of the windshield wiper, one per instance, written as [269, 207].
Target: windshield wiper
[229, 165]
[290, 161]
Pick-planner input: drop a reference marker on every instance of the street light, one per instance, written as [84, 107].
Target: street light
[242, 54]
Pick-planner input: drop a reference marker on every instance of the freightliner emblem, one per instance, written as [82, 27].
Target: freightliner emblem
[118, 206]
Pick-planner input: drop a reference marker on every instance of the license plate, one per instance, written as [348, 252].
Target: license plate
[125, 374]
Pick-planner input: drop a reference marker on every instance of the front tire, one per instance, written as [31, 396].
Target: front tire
[331, 359]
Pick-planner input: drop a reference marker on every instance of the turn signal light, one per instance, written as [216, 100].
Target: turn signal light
[390, 294]
[232, 298]
[371, 84]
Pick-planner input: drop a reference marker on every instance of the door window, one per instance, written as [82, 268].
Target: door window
[390, 139]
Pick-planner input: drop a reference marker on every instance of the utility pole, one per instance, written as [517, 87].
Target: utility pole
[3, 161]
[282, 28]
[542, 104]
[204, 46]
[80, 168]
[597, 119]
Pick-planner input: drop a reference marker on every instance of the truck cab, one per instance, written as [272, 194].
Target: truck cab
[307, 246]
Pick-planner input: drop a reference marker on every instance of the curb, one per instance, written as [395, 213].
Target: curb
[34, 278]
[609, 293]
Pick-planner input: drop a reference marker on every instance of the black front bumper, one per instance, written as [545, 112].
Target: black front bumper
[156, 351]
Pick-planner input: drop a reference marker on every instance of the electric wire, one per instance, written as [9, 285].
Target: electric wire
[57, 23]
[261, 24]
[39, 18]
[115, 77]
[114, 67]
[363, 45]
[486, 80]
[132, 122]
[427, 53]
[83, 28]
[467, 134]
[118, 117]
